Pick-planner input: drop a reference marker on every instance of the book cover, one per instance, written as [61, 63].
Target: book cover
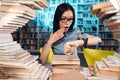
[69, 76]
[95, 8]
[104, 71]
[63, 59]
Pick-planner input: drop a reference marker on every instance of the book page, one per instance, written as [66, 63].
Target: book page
[116, 4]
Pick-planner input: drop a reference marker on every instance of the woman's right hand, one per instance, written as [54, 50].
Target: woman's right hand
[56, 35]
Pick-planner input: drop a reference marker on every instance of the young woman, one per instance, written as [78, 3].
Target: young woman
[63, 32]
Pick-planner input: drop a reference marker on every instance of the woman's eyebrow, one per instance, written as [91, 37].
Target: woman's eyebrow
[66, 17]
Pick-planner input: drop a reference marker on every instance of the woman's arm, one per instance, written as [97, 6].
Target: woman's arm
[91, 40]
[46, 49]
[45, 52]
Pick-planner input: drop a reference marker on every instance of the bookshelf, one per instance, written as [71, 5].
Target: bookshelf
[85, 22]
[30, 36]
[108, 41]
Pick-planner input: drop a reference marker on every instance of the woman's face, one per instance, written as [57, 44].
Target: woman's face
[66, 20]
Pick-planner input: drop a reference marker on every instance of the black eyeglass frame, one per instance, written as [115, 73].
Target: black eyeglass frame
[65, 20]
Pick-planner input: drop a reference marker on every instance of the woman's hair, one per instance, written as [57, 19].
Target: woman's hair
[58, 13]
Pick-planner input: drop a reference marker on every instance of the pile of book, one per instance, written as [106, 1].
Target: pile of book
[105, 69]
[109, 67]
[62, 64]
[16, 63]
[14, 16]
[109, 13]
[15, 13]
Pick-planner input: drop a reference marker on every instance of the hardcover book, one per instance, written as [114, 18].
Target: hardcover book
[63, 59]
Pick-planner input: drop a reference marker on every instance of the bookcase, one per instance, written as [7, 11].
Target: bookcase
[30, 36]
[85, 22]
[108, 41]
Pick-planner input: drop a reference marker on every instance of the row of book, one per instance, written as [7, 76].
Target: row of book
[16, 63]
[30, 47]
[109, 12]
[29, 29]
[30, 41]
[30, 35]
[109, 43]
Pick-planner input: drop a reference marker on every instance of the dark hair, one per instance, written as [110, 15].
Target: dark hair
[58, 13]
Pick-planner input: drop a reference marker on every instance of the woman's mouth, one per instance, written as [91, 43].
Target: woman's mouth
[66, 28]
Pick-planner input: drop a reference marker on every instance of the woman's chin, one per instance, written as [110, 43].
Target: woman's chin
[66, 29]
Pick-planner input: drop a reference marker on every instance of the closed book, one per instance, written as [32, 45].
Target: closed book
[114, 22]
[95, 8]
[111, 64]
[104, 71]
[107, 14]
[63, 59]
[69, 76]
[114, 26]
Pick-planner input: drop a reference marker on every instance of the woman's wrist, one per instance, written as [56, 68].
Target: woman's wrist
[79, 43]
[50, 42]
[85, 42]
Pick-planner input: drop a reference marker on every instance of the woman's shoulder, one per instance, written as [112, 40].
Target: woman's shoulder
[77, 31]
[74, 32]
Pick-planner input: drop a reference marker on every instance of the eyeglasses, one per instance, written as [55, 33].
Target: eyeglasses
[65, 20]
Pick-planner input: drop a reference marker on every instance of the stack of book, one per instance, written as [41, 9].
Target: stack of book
[19, 64]
[109, 12]
[109, 67]
[106, 69]
[15, 13]
[14, 16]
[62, 64]
[16, 63]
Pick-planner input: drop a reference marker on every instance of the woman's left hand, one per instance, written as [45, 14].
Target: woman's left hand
[69, 47]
